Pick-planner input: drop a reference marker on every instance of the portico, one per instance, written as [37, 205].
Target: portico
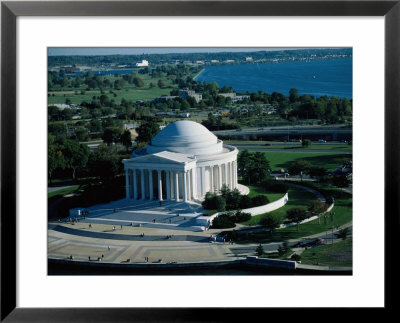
[182, 163]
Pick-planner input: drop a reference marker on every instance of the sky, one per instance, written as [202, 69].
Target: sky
[59, 51]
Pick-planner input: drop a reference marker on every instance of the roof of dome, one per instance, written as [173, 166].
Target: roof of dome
[187, 137]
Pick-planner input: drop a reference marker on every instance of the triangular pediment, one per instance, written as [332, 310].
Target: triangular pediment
[163, 157]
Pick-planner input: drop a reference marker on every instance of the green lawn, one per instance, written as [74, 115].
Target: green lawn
[330, 161]
[63, 191]
[297, 198]
[338, 254]
[130, 92]
[258, 190]
[343, 214]
[291, 147]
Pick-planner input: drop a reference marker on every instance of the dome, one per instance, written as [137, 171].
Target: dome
[186, 137]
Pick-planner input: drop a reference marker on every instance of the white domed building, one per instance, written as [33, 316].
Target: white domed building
[182, 162]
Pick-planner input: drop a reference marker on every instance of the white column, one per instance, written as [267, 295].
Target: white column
[203, 180]
[127, 195]
[187, 184]
[219, 177]
[184, 187]
[211, 179]
[159, 185]
[142, 183]
[176, 185]
[231, 168]
[235, 174]
[168, 185]
[226, 174]
[194, 183]
[151, 184]
[135, 189]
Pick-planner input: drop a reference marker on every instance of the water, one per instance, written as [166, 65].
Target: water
[326, 77]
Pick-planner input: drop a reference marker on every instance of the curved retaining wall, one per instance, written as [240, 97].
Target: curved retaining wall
[207, 220]
[308, 219]
[268, 207]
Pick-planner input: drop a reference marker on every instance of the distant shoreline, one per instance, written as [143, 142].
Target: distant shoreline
[197, 75]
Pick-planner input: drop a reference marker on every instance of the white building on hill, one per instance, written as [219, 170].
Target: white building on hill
[143, 63]
[182, 162]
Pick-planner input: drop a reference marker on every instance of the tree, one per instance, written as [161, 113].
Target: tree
[111, 135]
[283, 248]
[105, 163]
[306, 142]
[212, 88]
[126, 139]
[340, 181]
[146, 131]
[299, 167]
[160, 84]
[343, 233]
[259, 168]
[317, 172]
[55, 156]
[81, 133]
[260, 250]
[76, 155]
[253, 167]
[138, 81]
[296, 215]
[243, 165]
[271, 222]
[317, 208]
[293, 95]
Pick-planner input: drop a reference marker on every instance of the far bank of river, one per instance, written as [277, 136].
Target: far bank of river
[321, 77]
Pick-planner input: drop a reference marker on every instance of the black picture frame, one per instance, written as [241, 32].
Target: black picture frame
[10, 10]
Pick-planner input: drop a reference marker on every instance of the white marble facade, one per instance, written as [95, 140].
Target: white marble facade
[183, 162]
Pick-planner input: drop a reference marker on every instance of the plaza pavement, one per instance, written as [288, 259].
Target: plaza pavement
[169, 245]
[129, 233]
[135, 230]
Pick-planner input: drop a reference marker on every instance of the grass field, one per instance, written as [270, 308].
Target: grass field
[330, 161]
[289, 147]
[338, 254]
[343, 214]
[63, 191]
[297, 198]
[130, 92]
[258, 190]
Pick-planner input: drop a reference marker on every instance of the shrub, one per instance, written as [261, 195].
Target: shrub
[259, 200]
[223, 221]
[260, 250]
[276, 187]
[241, 217]
[245, 202]
[295, 257]
[213, 201]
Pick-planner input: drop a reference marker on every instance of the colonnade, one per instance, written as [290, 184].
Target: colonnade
[179, 185]
[218, 175]
[158, 184]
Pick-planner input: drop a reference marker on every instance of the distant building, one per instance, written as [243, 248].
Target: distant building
[249, 59]
[234, 98]
[131, 126]
[184, 94]
[143, 63]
